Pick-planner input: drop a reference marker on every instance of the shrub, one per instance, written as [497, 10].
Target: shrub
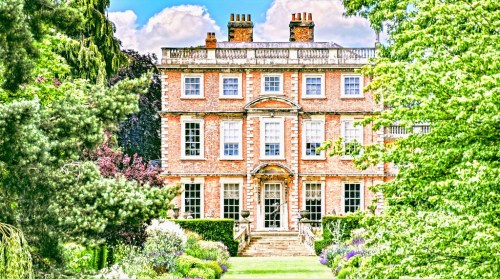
[214, 230]
[209, 250]
[215, 267]
[188, 266]
[205, 273]
[164, 240]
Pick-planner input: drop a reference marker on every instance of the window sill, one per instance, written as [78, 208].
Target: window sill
[272, 158]
[239, 97]
[346, 158]
[231, 159]
[272, 93]
[192, 98]
[319, 158]
[352, 97]
[313, 97]
[193, 158]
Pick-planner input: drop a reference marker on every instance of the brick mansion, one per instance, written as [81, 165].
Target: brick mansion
[241, 121]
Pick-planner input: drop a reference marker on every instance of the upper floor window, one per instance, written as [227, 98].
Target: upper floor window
[192, 139]
[313, 86]
[352, 197]
[353, 137]
[192, 86]
[231, 139]
[272, 138]
[230, 86]
[313, 134]
[352, 85]
[272, 84]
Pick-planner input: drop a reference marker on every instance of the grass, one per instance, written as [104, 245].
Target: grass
[277, 268]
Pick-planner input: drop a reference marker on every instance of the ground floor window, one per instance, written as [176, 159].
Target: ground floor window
[231, 200]
[313, 201]
[192, 199]
[352, 197]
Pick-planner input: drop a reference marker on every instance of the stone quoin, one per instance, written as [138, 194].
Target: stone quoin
[241, 121]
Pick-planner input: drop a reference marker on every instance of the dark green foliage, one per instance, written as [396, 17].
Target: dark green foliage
[213, 230]
[347, 222]
[319, 245]
[140, 133]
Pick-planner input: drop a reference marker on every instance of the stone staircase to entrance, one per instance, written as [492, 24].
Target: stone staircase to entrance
[275, 244]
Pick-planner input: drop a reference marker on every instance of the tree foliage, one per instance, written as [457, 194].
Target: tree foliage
[140, 133]
[441, 66]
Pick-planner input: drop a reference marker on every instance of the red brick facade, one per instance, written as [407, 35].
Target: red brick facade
[271, 169]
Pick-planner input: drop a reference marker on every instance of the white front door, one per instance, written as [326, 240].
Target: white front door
[272, 206]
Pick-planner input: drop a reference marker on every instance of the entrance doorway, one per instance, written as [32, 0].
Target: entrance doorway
[273, 205]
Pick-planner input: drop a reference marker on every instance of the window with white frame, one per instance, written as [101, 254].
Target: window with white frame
[272, 84]
[231, 201]
[231, 142]
[353, 137]
[230, 86]
[192, 199]
[313, 134]
[192, 85]
[352, 85]
[313, 85]
[272, 135]
[353, 197]
[192, 139]
[313, 200]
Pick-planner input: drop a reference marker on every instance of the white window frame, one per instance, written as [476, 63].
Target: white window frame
[321, 156]
[343, 136]
[240, 142]
[263, 84]
[263, 122]
[230, 180]
[342, 86]
[183, 138]
[197, 180]
[361, 195]
[183, 86]
[304, 86]
[221, 86]
[323, 209]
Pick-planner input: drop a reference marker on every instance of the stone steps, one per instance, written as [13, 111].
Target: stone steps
[275, 244]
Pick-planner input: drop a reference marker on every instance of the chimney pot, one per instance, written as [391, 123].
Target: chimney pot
[301, 27]
[299, 16]
[240, 29]
[237, 17]
[210, 41]
[305, 16]
[310, 17]
[243, 17]
[293, 17]
[249, 17]
[232, 17]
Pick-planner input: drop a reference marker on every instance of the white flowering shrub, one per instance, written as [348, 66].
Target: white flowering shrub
[165, 240]
[114, 272]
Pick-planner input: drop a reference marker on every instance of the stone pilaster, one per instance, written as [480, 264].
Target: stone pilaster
[252, 197]
[295, 87]
[249, 86]
[164, 123]
[294, 190]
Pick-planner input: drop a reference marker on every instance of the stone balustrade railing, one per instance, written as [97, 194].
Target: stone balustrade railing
[243, 235]
[306, 234]
[396, 131]
[267, 56]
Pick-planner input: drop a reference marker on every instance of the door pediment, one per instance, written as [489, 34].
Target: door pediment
[272, 102]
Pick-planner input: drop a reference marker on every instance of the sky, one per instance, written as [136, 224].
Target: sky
[149, 25]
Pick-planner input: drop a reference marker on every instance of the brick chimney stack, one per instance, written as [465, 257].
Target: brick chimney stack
[302, 28]
[210, 41]
[241, 29]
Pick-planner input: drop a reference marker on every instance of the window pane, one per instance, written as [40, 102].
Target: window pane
[231, 138]
[192, 86]
[313, 201]
[313, 86]
[313, 137]
[192, 138]
[351, 86]
[272, 138]
[353, 138]
[352, 197]
[272, 84]
[192, 199]
[230, 86]
[231, 206]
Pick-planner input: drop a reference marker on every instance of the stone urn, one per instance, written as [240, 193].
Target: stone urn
[244, 214]
[304, 214]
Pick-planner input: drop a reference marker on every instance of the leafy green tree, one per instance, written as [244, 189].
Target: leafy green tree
[440, 66]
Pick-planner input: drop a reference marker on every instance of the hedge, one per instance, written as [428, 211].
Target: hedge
[214, 230]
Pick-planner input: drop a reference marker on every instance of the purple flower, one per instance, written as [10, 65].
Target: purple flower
[352, 254]
[179, 253]
[358, 241]
[224, 268]
[323, 261]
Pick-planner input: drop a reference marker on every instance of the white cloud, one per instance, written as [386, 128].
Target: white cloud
[330, 24]
[178, 26]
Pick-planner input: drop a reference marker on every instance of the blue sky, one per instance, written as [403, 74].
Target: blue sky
[219, 9]
[149, 25]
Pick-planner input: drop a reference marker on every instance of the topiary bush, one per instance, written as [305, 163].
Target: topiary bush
[213, 230]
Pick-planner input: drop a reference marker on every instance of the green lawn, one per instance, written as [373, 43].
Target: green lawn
[277, 268]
